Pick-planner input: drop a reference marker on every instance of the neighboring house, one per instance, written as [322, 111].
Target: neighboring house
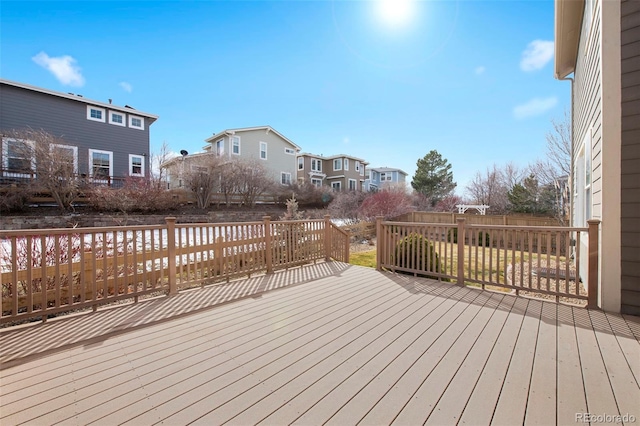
[177, 168]
[599, 43]
[264, 144]
[339, 172]
[104, 141]
[310, 169]
[380, 177]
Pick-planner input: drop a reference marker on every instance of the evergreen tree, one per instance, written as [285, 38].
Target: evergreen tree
[433, 178]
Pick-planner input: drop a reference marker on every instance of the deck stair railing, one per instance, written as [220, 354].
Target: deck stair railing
[45, 272]
[560, 262]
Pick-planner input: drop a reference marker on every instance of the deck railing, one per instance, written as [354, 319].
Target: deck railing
[534, 259]
[45, 272]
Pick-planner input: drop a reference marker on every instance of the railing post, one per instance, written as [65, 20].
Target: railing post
[347, 247]
[267, 241]
[327, 238]
[171, 250]
[592, 301]
[379, 242]
[460, 238]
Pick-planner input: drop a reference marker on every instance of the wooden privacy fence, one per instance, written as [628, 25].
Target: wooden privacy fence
[44, 272]
[547, 260]
[498, 220]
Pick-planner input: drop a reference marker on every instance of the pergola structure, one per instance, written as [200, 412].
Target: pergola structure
[482, 208]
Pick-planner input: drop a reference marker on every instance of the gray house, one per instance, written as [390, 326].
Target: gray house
[339, 172]
[264, 144]
[107, 142]
[597, 48]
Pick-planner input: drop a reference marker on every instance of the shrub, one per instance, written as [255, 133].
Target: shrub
[452, 235]
[416, 252]
[484, 239]
[137, 195]
[14, 199]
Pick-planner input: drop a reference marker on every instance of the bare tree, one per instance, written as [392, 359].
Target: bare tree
[158, 175]
[203, 177]
[489, 188]
[48, 162]
[253, 180]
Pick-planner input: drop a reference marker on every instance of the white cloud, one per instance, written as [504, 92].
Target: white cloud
[534, 107]
[126, 86]
[537, 54]
[64, 68]
[480, 70]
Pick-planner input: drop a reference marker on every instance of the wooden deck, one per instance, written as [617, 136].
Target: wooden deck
[349, 345]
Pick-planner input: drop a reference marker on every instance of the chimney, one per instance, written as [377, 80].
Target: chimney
[110, 101]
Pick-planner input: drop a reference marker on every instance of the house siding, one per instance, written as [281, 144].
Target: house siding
[67, 119]
[630, 164]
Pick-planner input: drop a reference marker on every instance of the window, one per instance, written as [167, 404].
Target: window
[337, 164]
[220, 147]
[316, 182]
[116, 118]
[17, 156]
[67, 155]
[285, 178]
[582, 194]
[362, 170]
[357, 166]
[385, 176]
[100, 164]
[300, 163]
[263, 150]
[336, 186]
[289, 151]
[95, 113]
[136, 122]
[316, 165]
[352, 184]
[199, 169]
[136, 165]
[346, 164]
[235, 145]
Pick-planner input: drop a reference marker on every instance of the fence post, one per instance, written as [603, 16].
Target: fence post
[347, 247]
[267, 241]
[379, 243]
[460, 238]
[327, 238]
[592, 301]
[171, 253]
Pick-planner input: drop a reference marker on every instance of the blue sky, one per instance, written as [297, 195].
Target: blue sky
[471, 79]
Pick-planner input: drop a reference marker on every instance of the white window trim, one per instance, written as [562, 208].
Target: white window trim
[115, 123]
[285, 176]
[233, 140]
[98, 151]
[339, 162]
[5, 157]
[75, 154]
[362, 170]
[357, 166]
[300, 163]
[131, 156]
[316, 182]
[355, 184]
[131, 118]
[263, 144]
[346, 164]
[318, 167]
[104, 114]
[336, 185]
[289, 151]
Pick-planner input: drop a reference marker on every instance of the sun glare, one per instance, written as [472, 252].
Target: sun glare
[395, 12]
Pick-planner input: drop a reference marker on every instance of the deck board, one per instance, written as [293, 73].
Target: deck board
[350, 345]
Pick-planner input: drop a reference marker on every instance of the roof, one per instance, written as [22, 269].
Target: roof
[387, 169]
[80, 98]
[346, 156]
[180, 157]
[249, 129]
[568, 24]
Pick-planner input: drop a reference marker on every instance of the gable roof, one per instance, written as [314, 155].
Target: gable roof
[248, 129]
[388, 169]
[568, 24]
[79, 98]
